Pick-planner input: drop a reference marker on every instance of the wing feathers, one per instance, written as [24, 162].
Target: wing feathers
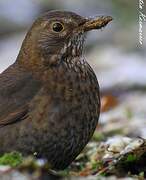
[13, 117]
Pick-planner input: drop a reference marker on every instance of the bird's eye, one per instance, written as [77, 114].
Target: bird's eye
[57, 27]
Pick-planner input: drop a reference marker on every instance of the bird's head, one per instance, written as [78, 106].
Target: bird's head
[56, 36]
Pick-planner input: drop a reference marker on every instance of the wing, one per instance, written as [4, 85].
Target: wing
[17, 89]
[13, 117]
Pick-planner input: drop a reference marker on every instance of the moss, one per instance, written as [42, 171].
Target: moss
[64, 173]
[129, 113]
[97, 165]
[113, 132]
[12, 159]
[131, 158]
[98, 136]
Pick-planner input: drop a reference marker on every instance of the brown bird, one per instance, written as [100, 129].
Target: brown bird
[49, 98]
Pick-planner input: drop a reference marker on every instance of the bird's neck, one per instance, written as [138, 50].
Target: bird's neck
[50, 67]
[59, 80]
[29, 57]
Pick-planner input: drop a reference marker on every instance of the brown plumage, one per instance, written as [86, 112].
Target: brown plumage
[49, 98]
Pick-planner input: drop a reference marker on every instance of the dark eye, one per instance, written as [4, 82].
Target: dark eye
[57, 27]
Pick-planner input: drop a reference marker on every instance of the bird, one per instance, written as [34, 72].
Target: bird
[50, 97]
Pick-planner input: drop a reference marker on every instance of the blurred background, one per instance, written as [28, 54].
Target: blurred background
[114, 52]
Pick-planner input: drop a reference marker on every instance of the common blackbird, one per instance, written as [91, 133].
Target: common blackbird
[49, 98]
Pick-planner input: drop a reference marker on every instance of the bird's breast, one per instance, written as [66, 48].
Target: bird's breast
[70, 95]
[71, 81]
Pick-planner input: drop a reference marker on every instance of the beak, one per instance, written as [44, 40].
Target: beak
[96, 23]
